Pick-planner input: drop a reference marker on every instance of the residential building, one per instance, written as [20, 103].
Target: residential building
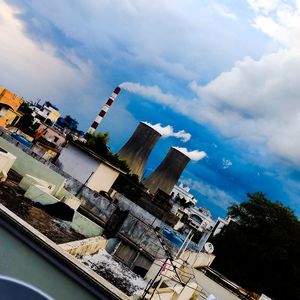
[9, 104]
[47, 111]
[183, 192]
[200, 218]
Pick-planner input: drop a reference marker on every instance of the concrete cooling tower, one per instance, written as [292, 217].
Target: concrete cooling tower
[168, 172]
[136, 151]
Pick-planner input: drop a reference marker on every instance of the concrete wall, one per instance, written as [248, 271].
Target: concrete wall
[138, 211]
[28, 180]
[198, 259]
[78, 164]
[40, 194]
[80, 223]
[19, 261]
[85, 226]
[103, 178]
[211, 287]
[26, 164]
[84, 247]
[83, 166]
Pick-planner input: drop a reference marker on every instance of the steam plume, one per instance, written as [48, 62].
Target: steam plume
[168, 131]
[193, 155]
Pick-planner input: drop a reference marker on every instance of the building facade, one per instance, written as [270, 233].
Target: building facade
[88, 168]
[9, 104]
[47, 111]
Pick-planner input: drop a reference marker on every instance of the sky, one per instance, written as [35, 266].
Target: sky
[223, 73]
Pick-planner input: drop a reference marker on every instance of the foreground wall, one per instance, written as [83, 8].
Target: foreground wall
[212, 287]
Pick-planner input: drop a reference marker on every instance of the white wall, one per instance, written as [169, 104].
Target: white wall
[77, 163]
[80, 165]
[103, 178]
[211, 287]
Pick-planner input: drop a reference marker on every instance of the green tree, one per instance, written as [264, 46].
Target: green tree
[98, 143]
[261, 251]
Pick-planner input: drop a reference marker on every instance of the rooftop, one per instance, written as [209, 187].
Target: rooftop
[12, 197]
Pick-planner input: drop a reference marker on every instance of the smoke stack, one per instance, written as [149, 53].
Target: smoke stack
[104, 110]
[137, 149]
[168, 172]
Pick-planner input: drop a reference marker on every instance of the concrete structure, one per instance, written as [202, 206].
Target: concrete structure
[200, 218]
[49, 142]
[9, 104]
[26, 164]
[46, 111]
[79, 223]
[52, 135]
[138, 148]
[6, 162]
[104, 110]
[213, 288]
[168, 172]
[88, 167]
[87, 246]
[183, 192]
[28, 255]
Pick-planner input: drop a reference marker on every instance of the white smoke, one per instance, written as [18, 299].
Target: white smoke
[193, 155]
[168, 131]
[148, 92]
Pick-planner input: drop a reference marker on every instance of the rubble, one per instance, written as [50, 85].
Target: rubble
[116, 273]
[12, 197]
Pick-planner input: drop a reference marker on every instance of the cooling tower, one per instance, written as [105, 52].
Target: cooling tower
[168, 172]
[136, 151]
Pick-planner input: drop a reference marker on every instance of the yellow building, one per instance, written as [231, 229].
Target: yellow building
[47, 112]
[9, 104]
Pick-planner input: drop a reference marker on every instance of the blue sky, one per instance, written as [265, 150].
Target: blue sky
[224, 71]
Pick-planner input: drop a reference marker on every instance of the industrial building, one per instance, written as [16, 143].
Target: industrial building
[168, 172]
[138, 148]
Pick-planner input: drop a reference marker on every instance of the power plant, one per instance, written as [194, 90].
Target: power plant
[137, 149]
[168, 172]
[104, 110]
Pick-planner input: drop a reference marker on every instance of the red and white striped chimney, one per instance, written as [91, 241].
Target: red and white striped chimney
[104, 110]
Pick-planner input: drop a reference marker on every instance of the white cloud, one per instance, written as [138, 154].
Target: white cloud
[224, 11]
[214, 195]
[226, 163]
[168, 131]
[257, 101]
[33, 70]
[181, 39]
[264, 6]
[195, 155]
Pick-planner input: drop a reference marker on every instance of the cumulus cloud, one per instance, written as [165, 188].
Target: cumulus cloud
[168, 131]
[257, 101]
[33, 70]
[193, 155]
[177, 39]
[212, 194]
